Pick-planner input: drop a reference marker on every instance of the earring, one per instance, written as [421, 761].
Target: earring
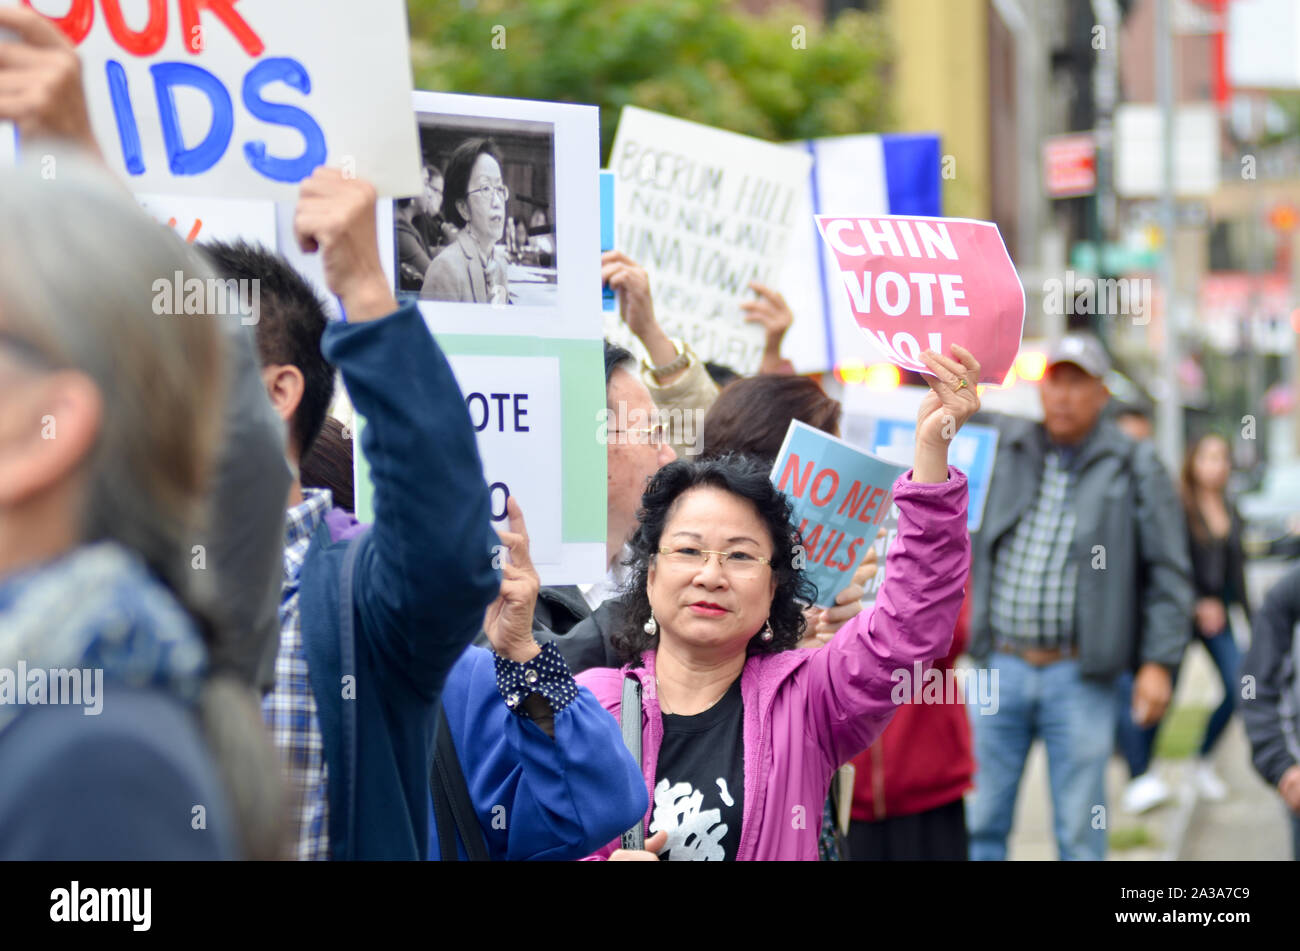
[767, 630]
[651, 626]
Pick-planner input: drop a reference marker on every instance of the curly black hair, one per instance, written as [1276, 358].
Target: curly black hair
[741, 476]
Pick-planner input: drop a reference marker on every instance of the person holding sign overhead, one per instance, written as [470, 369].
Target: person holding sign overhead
[728, 708]
[472, 269]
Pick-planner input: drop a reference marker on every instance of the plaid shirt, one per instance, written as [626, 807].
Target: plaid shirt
[1034, 578]
[290, 708]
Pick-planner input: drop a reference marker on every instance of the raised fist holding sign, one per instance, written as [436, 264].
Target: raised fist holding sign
[951, 401]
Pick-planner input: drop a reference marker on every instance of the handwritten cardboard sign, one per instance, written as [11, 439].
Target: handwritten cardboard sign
[842, 497]
[705, 211]
[245, 98]
[925, 283]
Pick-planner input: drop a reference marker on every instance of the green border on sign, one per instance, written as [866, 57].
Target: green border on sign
[582, 394]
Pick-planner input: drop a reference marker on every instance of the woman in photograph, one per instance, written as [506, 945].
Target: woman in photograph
[472, 268]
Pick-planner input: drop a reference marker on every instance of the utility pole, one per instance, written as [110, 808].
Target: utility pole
[1169, 429]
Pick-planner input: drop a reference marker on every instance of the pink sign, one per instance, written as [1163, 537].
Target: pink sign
[925, 283]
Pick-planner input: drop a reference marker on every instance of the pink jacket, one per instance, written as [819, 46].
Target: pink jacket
[809, 711]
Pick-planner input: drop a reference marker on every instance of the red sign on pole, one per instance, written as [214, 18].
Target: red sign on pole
[1070, 165]
[925, 283]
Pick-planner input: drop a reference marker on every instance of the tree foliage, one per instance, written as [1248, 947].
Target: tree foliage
[704, 60]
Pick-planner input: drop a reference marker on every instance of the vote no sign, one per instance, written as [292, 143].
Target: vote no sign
[925, 283]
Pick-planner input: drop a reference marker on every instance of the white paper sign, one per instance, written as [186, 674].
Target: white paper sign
[705, 212]
[245, 99]
[514, 405]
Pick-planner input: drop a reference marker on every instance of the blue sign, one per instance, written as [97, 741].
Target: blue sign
[972, 451]
[841, 497]
[607, 299]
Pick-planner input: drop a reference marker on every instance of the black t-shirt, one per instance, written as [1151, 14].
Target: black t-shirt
[700, 782]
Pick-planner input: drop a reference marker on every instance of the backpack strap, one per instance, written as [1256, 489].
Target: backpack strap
[633, 838]
[348, 668]
[453, 809]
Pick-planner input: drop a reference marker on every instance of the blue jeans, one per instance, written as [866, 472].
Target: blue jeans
[1136, 743]
[1075, 718]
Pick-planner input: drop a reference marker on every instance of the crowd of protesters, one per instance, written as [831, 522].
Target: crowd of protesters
[279, 680]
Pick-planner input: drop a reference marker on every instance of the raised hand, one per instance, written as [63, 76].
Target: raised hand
[40, 81]
[336, 216]
[951, 401]
[631, 283]
[508, 622]
[773, 314]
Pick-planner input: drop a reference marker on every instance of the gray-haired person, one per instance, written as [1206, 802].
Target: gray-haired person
[108, 430]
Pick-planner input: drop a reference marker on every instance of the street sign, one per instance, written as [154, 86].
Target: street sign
[1070, 165]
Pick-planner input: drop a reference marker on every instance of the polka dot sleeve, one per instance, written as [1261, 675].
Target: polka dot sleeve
[547, 674]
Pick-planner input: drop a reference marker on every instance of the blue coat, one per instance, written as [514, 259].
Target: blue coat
[423, 578]
[537, 797]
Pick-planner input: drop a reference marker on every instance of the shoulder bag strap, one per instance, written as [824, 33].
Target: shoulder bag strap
[633, 838]
[453, 809]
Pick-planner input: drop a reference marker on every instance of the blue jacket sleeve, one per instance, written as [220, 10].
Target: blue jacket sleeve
[424, 575]
[536, 797]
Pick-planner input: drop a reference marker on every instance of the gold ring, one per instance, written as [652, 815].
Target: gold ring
[961, 383]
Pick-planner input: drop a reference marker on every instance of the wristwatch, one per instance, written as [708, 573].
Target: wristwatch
[668, 369]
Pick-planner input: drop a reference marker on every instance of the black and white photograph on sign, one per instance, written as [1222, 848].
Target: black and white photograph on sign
[483, 229]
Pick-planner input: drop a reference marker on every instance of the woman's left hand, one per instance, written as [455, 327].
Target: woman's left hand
[951, 401]
[508, 623]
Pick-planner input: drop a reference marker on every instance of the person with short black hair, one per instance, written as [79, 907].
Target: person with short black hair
[740, 732]
[473, 268]
[355, 735]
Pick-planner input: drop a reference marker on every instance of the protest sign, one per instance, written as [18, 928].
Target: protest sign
[514, 407]
[531, 368]
[918, 283]
[705, 212]
[972, 450]
[608, 301]
[528, 206]
[244, 100]
[842, 497]
[535, 404]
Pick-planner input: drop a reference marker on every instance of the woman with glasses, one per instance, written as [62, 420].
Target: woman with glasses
[741, 731]
[472, 269]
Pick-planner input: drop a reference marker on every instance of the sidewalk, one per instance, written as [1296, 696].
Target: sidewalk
[1250, 824]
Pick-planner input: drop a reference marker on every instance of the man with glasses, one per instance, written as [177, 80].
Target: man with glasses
[637, 447]
[472, 269]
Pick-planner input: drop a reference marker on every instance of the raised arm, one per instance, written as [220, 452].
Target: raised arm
[424, 574]
[548, 772]
[850, 687]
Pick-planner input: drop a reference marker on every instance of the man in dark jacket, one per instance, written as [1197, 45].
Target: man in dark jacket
[1270, 705]
[356, 694]
[1080, 571]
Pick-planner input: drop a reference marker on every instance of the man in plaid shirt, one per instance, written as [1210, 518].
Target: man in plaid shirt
[1080, 573]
